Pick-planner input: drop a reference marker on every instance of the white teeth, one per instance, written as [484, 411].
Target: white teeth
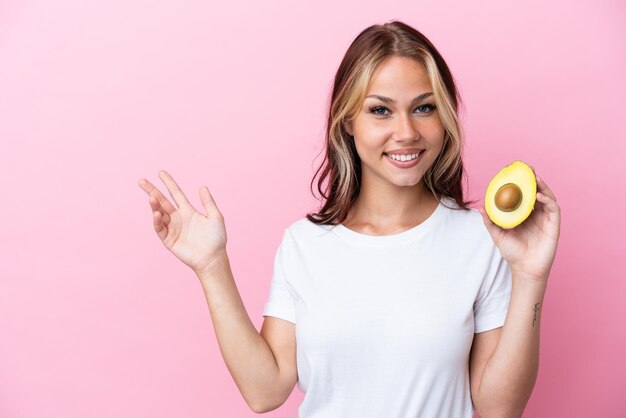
[404, 157]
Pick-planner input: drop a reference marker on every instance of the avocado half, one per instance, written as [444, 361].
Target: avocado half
[511, 195]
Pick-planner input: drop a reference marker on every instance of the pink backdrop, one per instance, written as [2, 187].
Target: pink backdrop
[98, 319]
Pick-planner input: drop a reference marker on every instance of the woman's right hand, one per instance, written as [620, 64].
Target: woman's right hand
[195, 238]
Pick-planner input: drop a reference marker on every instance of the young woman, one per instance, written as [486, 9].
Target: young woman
[396, 299]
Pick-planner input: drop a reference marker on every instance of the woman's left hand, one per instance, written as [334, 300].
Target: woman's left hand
[530, 247]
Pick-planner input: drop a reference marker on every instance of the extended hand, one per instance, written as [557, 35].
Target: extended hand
[530, 247]
[195, 238]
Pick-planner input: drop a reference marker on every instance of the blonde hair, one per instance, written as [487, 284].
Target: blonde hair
[340, 170]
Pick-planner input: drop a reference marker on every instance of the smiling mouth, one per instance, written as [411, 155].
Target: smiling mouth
[404, 157]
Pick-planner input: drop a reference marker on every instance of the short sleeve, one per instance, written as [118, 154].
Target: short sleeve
[281, 301]
[492, 302]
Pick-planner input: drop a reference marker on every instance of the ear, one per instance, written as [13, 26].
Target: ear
[348, 126]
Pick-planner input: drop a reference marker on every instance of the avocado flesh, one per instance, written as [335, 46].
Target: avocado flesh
[521, 175]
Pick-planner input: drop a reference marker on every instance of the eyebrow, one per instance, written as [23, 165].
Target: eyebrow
[385, 99]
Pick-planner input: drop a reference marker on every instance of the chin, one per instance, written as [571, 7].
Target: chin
[407, 182]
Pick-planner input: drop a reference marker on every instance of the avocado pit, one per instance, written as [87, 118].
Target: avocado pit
[508, 197]
[511, 195]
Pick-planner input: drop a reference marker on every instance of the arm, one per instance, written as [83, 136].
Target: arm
[263, 365]
[247, 354]
[510, 373]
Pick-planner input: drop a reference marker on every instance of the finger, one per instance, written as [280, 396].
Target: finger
[159, 226]
[491, 227]
[208, 202]
[544, 189]
[156, 207]
[548, 203]
[153, 191]
[175, 191]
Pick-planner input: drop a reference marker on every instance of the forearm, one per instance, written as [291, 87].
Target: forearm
[510, 373]
[246, 353]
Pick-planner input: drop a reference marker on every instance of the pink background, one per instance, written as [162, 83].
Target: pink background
[98, 319]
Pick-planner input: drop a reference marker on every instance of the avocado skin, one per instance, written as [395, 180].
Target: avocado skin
[521, 174]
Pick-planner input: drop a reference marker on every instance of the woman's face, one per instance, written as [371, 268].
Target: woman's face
[407, 123]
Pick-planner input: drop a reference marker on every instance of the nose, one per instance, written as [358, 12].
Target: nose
[405, 129]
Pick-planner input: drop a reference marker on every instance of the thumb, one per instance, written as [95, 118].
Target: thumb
[491, 227]
[486, 219]
[207, 201]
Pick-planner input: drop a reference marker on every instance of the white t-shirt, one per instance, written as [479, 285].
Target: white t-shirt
[384, 324]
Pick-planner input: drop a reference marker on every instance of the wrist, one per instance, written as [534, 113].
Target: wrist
[525, 279]
[214, 263]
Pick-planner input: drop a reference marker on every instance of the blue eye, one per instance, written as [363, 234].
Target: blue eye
[375, 109]
[430, 107]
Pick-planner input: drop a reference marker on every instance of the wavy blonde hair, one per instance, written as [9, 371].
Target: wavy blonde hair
[339, 181]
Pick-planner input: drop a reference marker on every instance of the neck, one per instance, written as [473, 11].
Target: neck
[389, 207]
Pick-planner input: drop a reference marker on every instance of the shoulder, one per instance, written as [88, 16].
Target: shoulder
[457, 214]
[303, 230]
[467, 223]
